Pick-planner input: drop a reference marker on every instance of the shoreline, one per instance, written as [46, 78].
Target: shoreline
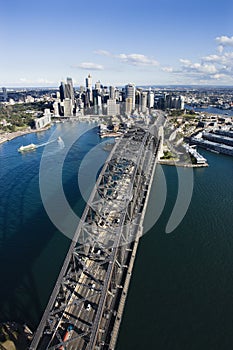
[13, 135]
[174, 163]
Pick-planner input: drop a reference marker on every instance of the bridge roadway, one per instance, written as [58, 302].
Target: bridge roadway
[86, 305]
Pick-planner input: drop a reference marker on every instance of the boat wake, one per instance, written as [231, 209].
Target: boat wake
[46, 143]
[33, 146]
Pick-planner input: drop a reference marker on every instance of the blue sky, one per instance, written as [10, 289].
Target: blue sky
[144, 42]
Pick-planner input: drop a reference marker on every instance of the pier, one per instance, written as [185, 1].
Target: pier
[86, 306]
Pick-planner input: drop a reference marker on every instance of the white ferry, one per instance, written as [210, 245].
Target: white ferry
[30, 147]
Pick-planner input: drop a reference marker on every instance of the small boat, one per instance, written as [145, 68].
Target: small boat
[30, 147]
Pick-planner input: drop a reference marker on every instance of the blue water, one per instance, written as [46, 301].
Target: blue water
[212, 110]
[32, 249]
[181, 294]
[180, 297]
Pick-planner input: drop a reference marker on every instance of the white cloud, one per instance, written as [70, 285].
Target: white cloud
[220, 48]
[167, 69]
[103, 52]
[185, 62]
[24, 80]
[216, 66]
[225, 40]
[89, 66]
[223, 59]
[136, 59]
[218, 76]
[198, 67]
[212, 58]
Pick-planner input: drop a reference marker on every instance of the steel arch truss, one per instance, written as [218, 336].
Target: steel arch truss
[83, 306]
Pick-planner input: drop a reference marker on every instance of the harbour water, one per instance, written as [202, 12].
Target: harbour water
[181, 290]
[31, 247]
[182, 286]
[212, 110]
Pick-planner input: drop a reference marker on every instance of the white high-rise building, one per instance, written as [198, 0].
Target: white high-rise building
[130, 91]
[128, 105]
[98, 85]
[68, 107]
[43, 121]
[151, 98]
[56, 108]
[143, 101]
[113, 108]
[181, 102]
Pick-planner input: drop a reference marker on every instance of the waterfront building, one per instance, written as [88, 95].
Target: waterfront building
[210, 145]
[43, 121]
[227, 133]
[218, 138]
[56, 108]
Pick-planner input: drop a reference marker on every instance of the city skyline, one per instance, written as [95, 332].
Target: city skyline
[153, 43]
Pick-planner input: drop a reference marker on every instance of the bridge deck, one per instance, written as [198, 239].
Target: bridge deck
[85, 308]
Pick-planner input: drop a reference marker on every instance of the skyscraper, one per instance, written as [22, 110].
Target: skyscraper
[62, 90]
[130, 93]
[70, 89]
[143, 101]
[89, 87]
[128, 105]
[98, 85]
[67, 90]
[112, 92]
[113, 108]
[151, 97]
[68, 107]
[89, 82]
